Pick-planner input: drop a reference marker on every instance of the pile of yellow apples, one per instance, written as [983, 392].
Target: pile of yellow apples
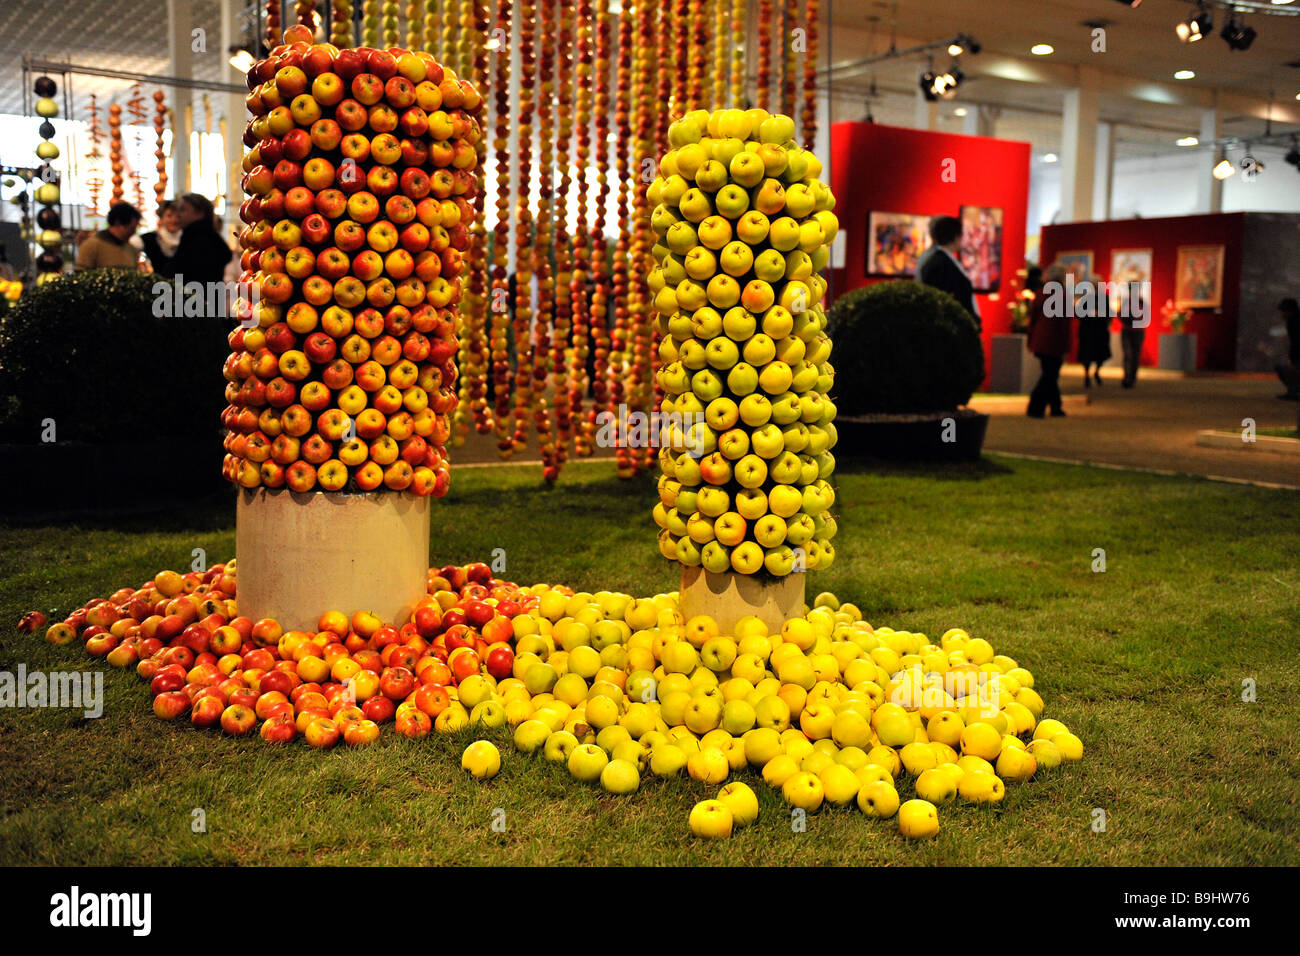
[830, 711]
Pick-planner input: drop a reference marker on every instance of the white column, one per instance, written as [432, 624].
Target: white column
[1078, 150]
[232, 105]
[981, 120]
[1209, 191]
[1105, 171]
[180, 21]
[927, 111]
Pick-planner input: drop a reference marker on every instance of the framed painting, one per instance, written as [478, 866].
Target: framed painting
[1198, 279]
[895, 240]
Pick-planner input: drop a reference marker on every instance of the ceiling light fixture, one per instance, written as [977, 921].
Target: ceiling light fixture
[1185, 75]
[1042, 49]
[1224, 169]
[241, 58]
[959, 111]
[1238, 35]
[1187, 141]
[1197, 26]
[1050, 157]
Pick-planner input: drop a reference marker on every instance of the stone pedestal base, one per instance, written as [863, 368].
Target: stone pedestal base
[728, 597]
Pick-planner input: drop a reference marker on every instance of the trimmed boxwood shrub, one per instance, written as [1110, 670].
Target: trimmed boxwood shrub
[903, 347]
[87, 351]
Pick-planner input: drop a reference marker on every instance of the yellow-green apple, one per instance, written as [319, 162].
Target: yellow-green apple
[747, 557]
[741, 801]
[803, 790]
[736, 258]
[586, 761]
[711, 819]
[742, 379]
[481, 759]
[751, 503]
[715, 557]
[878, 798]
[769, 266]
[620, 776]
[769, 531]
[731, 200]
[721, 353]
[739, 324]
[747, 169]
[752, 227]
[769, 443]
[755, 410]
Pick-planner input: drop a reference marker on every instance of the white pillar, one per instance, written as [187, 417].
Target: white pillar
[1105, 171]
[1209, 191]
[981, 120]
[927, 111]
[1078, 150]
[180, 21]
[232, 106]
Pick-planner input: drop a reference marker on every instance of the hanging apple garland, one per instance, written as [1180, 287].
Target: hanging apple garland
[478, 233]
[599, 262]
[115, 162]
[721, 52]
[524, 254]
[498, 311]
[744, 234]
[808, 118]
[582, 278]
[135, 106]
[94, 178]
[159, 153]
[739, 21]
[342, 375]
[49, 221]
[370, 11]
[272, 23]
[763, 76]
[341, 34]
[563, 325]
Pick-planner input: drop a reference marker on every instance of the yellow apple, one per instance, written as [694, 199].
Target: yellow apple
[840, 784]
[1046, 753]
[667, 760]
[709, 766]
[779, 769]
[1047, 729]
[918, 820]
[620, 777]
[1016, 765]
[981, 740]
[981, 788]
[586, 762]
[762, 744]
[878, 798]
[936, 786]
[803, 790]
[711, 819]
[531, 736]
[1069, 745]
[481, 759]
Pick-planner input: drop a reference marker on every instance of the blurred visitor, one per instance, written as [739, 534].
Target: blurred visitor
[1289, 371]
[111, 247]
[940, 265]
[1094, 336]
[1131, 336]
[201, 255]
[160, 245]
[1049, 341]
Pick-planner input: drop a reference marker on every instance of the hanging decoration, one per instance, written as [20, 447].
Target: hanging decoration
[499, 304]
[524, 239]
[790, 61]
[808, 116]
[159, 153]
[115, 163]
[341, 34]
[135, 106]
[370, 10]
[763, 77]
[94, 178]
[739, 20]
[562, 329]
[49, 220]
[272, 23]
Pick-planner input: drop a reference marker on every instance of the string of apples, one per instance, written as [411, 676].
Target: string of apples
[721, 52]
[612, 372]
[763, 74]
[341, 32]
[272, 23]
[498, 311]
[543, 245]
[600, 266]
[524, 253]
[49, 220]
[563, 326]
[478, 274]
[584, 267]
[94, 178]
[159, 153]
[739, 20]
[115, 163]
[790, 63]
[808, 117]
[370, 23]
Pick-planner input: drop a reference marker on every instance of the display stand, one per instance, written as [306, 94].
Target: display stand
[1013, 369]
[300, 555]
[728, 597]
[1177, 351]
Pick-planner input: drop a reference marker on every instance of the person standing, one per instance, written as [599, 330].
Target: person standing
[160, 245]
[111, 247]
[1132, 335]
[1049, 341]
[940, 267]
[1094, 331]
[201, 255]
[1289, 371]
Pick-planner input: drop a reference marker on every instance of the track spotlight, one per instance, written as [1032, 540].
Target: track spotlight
[1237, 34]
[1224, 169]
[1196, 27]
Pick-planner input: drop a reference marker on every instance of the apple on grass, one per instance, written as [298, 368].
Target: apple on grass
[711, 819]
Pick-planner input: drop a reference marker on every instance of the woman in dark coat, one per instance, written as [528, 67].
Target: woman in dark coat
[201, 255]
[1049, 341]
[1094, 336]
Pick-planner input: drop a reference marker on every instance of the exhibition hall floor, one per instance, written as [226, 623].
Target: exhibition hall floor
[1153, 426]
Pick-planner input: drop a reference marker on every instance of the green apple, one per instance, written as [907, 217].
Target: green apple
[751, 503]
[587, 762]
[706, 323]
[786, 469]
[732, 199]
[784, 236]
[531, 736]
[747, 169]
[684, 131]
[721, 353]
[540, 678]
[755, 410]
[734, 444]
[878, 799]
[799, 200]
[490, 714]
[714, 232]
[711, 176]
[700, 264]
[779, 560]
[739, 324]
[1045, 753]
[742, 380]
[796, 165]
[696, 206]
[715, 557]
[663, 218]
[736, 258]
[795, 437]
[777, 128]
[559, 745]
[726, 148]
[769, 265]
[706, 385]
[803, 377]
[821, 258]
[673, 189]
[692, 355]
[798, 264]
[737, 716]
[811, 469]
[620, 777]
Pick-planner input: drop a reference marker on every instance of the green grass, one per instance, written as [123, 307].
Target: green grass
[1145, 662]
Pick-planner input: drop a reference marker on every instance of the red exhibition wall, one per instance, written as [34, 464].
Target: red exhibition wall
[877, 168]
[1216, 329]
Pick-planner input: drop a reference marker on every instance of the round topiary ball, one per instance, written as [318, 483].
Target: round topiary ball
[903, 347]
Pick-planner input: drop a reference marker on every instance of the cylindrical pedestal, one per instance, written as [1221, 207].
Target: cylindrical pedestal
[728, 597]
[300, 555]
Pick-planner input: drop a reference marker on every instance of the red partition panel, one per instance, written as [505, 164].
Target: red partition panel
[1216, 329]
[877, 168]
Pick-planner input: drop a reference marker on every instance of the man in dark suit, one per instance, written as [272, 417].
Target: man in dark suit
[940, 265]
